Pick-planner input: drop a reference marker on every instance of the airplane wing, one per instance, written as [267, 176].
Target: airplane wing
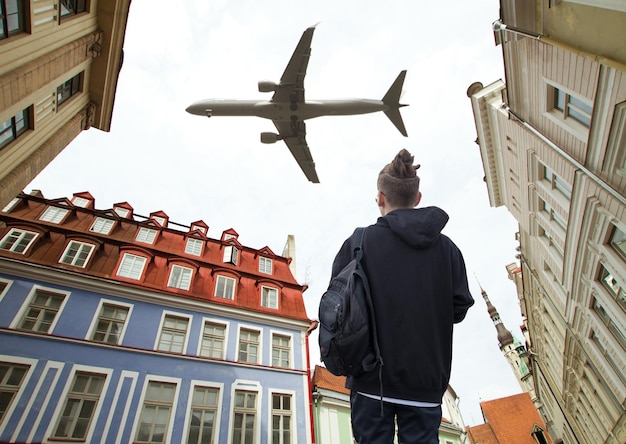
[294, 135]
[291, 86]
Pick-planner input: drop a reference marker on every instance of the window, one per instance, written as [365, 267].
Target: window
[69, 89]
[281, 419]
[281, 350]
[225, 287]
[613, 286]
[18, 241]
[77, 254]
[618, 242]
[54, 214]
[203, 413]
[193, 246]
[553, 215]
[110, 325]
[161, 220]
[244, 417]
[15, 126]
[199, 228]
[605, 317]
[122, 212]
[131, 266]
[231, 254]
[12, 17]
[551, 241]
[180, 277]
[269, 297]
[146, 235]
[173, 334]
[248, 346]
[11, 379]
[42, 311]
[608, 356]
[102, 225]
[81, 202]
[156, 412]
[80, 406]
[72, 7]
[9, 207]
[571, 107]
[213, 337]
[557, 183]
[265, 265]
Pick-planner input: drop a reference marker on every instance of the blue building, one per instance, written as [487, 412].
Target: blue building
[116, 328]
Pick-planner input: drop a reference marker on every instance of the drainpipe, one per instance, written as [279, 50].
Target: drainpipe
[310, 385]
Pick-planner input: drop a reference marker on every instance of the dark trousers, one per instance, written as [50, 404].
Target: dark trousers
[416, 425]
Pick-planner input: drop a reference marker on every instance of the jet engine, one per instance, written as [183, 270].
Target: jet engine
[269, 137]
[267, 86]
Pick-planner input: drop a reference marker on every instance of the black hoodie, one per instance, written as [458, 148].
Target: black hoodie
[419, 290]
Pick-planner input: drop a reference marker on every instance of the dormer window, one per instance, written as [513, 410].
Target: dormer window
[231, 254]
[11, 205]
[194, 246]
[161, 220]
[199, 228]
[265, 265]
[131, 266]
[77, 254]
[229, 236]
[102, 225]
[54, 214]
[146, 235]
[180, 277]
[80, 202]
[18, 241]
[122, 212]
[269, 297]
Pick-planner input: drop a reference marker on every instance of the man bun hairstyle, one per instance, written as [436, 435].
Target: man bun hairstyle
[399, 181]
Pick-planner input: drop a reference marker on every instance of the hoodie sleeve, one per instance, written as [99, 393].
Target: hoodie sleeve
[463, 299]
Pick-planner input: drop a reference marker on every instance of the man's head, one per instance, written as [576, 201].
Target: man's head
[398, 184]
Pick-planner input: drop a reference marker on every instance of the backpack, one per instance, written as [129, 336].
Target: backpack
[347, 335]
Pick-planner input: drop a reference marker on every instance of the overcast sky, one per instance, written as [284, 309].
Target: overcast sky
[158, 157]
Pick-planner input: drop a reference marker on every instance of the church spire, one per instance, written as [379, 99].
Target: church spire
[504, 336]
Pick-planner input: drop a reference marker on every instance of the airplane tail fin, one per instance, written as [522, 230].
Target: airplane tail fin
[392, 100]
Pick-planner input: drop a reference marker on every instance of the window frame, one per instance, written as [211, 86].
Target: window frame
[82, 7]
[54, 215]
[192, 245]
[207, 340]
[567, 109]
[177, 276]
[82, 397]
[265, 264]
[194, 405]
[169, 404]
[100, 224]
[44, 310]
[227, 280]
[277, 361]
[100, 317]
[76, 258]
[132, 272]
[18, 241]
[281, 414]
[267, 299]
[23, 15]
[15, 126]
[146, 235]
[231, 255]
[249, 342]
[246, 411]
[175, 331]
[15, 390]
[68, 89]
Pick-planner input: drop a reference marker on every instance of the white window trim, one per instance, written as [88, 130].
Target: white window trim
[143, 266]
[82, 245]
[248, 386]
[17, 360]
[234, 295]
[54, 215]
[9, 207]
[294, 419]
[195, 243]
[94, 320]
[220, 406]
[260, 343]
[107, 372]
[277, 293]
[291, 345]
[175, 314]
[121, 211]
[263, 265]
[226, 325]
[105, 222]
[31, 294]
[22, 233]
[171, 283]
[6, 288]
[231, 254]
[146, 235]
[157, 378]
[570, 125]
[80, 202]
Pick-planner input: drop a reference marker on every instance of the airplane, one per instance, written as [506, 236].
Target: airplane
[288, 108]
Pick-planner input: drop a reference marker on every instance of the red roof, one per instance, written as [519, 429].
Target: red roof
[324, 379]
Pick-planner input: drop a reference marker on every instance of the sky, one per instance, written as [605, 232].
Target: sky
[158, 157]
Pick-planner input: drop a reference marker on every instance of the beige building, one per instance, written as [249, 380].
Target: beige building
[553, 144]
[59, 65]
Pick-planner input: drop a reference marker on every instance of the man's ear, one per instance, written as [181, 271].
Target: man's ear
[380, 199]
[419, 197]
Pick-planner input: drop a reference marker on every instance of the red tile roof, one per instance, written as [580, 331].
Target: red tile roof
[322, 378]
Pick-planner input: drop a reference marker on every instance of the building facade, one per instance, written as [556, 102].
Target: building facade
[331, 410]
[553, 147]
[59, 65]
[116, 327]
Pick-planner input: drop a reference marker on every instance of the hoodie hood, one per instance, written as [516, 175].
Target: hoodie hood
[418, 227]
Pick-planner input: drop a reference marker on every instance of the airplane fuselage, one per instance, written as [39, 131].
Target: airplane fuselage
[283, 111]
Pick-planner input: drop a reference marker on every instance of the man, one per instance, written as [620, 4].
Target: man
[419, 289]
